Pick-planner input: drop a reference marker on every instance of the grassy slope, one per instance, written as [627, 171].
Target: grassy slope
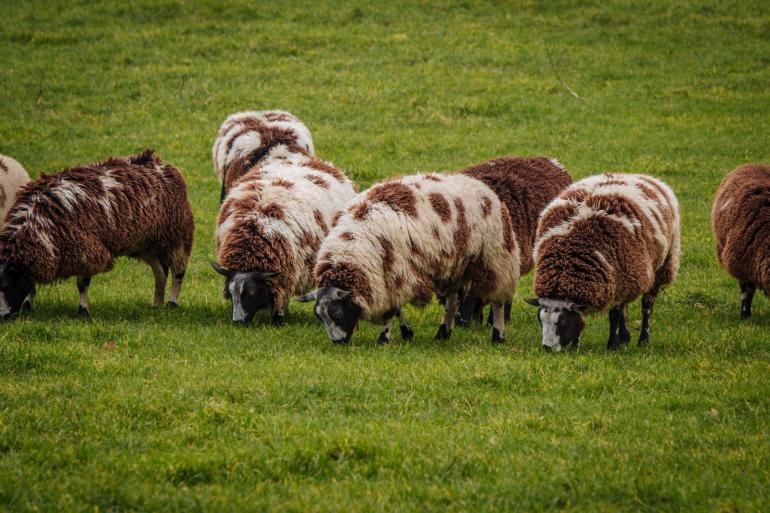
[155, 410]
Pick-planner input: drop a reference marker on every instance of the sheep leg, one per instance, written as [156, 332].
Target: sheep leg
[625, 335]
[83, 283]
[747, 296]
[384, 337]
[616, 313]
[648, 301]
[161, 275]
[498, 323]
[467, 310]
[506, 314]
[450, 309]
[406, 330]
[176, 288]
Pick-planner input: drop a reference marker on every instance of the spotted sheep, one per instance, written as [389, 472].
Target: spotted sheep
[76, 222]
[279, 204]
[601, 244]
[742, 231]
[12, 178]
[525, 185]
[405, 238]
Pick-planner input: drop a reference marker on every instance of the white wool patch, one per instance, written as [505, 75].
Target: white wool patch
[68, 193]
[557, 164]
[243, 145]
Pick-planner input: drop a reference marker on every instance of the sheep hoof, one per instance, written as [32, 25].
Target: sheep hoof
[443, 332]
[277, 320]
[461, 322]
[613, 345]
[625, 337]
[83, 312]
[171, 304]
[644, 339]
[407, 333]
[383, 338]
[496, 337]
[745, 314]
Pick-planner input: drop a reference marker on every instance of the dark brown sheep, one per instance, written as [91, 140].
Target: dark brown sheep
[76, 222]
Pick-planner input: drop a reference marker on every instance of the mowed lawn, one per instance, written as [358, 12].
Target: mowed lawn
[157, 410]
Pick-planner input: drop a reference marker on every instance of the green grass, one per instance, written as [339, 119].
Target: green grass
[146, 410]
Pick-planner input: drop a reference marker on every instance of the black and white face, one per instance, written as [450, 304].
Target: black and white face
[337, 310]
[561, 322]
[249, 291]
[16, 290]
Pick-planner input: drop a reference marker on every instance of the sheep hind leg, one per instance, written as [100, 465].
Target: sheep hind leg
[83, 307]
[648, 301]
[280, 309]
[747, 296]
[615, 315]
[177, 278]
[498, 323]
[160, 272]
[623, 333]
[384, 337]
[450, 310]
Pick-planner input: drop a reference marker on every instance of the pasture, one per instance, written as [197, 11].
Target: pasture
[139, 409]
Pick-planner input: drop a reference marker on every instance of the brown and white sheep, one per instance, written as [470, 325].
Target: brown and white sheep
[405, 238]
[274, 217]
[742, 231]
[76, 222]
[12, 178]
[245, 138]
[525, 185]
[602, 243]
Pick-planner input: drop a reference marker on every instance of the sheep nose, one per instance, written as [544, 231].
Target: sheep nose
[547, 348]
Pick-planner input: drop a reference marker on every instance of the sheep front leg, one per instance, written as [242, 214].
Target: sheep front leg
[623, 333]
[384, 337]
[406, 331]
[648, 301]
[498, 323]
[161, 275]
[450, 309]
[615, 315]
[747, 296]
[280, 309]
[176, 288]
[83, 283]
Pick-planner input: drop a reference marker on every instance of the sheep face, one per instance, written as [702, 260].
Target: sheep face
[337, 310]
[248, 292]
[16, 290]
[561, 322]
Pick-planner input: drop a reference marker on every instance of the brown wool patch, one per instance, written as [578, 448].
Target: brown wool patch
[360, 211]
[336, 218]
[440, 206]
[347, 236]
[346, 276]
[273, 210]
[279, 116]
[3, 166]
[319, 219]
[433, 177]
[388, 257]
[462, 231]
[320, 182]
[396, 195]
[325, 167]
[486, 206]
[280, 182]
[507, 230]
[2, 198]
[436, 233]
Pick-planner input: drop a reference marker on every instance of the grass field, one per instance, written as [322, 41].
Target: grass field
[147, 410]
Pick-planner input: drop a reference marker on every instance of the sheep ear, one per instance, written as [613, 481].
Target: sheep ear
[221, 270]
[268, 277]
[578, 308]
[533, 301]
[307, 298]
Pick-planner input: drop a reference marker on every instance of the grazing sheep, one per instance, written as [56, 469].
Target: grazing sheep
[12, 178]
[741, 230]
[525, 186]
[404, 239]
[245, 138]
[273, 219]
[76, 222]
[602, 243]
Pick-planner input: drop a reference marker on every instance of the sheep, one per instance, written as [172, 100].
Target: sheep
[741, 230]
[76, 222]
[245, 138]
[273, 218]
[525, 185]
[12, 178]
[601, 244]
[405, 238]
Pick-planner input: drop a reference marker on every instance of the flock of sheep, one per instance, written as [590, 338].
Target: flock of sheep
[291, 224]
